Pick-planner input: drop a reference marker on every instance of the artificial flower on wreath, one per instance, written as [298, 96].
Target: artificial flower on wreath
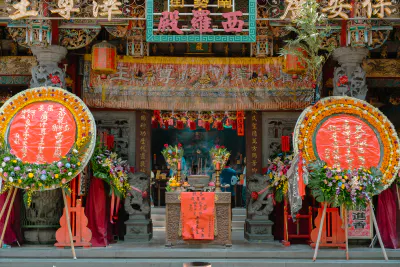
[276, 171]
[38, 177]
[108, 166]
[219, 154]
[352, 188]
[172, 155]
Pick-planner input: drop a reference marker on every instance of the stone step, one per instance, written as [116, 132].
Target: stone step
[158, 217]
[158, 211]
[238, 217]
[238, 211]
[238, 224]
[176, 262]
[159, 224]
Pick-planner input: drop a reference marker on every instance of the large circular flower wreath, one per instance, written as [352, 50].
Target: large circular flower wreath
[312, 118]
[33, 176]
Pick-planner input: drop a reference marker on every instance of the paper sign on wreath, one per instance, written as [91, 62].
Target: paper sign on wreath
[47, 138]
[354, 151]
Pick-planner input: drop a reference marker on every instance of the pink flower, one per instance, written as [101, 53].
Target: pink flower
[165, 145]
[179, 145]
[217, 146]
[63, 180]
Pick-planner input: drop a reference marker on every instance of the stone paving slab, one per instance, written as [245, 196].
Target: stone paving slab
[179, 263]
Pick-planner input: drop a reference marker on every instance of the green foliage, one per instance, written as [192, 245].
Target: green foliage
[311, 28]
[351, 188]
[113, 170]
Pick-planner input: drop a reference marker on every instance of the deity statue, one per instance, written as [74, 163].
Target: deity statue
[137, 201]
[260, 198]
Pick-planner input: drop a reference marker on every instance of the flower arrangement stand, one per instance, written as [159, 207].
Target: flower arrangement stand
[297, 235]
[335, 227]
[79, 234]
[12, 191]
[328, 231]
[82, 234]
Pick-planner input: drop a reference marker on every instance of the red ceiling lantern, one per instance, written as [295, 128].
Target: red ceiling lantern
[294, 65]
[104, 58]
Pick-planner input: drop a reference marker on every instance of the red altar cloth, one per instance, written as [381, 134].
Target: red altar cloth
[13, 231]
[98, 213]
[197, 211]
[386, 217]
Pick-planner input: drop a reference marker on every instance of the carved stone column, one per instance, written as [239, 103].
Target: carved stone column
[47, 72]
[41, 220]
[350, 60]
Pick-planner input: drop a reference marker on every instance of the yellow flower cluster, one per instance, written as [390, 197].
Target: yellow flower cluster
[314, 117]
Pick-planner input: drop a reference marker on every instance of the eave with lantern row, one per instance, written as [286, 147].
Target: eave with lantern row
[111, 29]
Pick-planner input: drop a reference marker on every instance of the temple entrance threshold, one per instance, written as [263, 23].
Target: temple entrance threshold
[155, 254]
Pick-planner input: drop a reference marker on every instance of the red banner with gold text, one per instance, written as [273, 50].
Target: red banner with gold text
[197, 214]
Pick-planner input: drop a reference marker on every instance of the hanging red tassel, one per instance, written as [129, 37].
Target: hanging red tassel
[157, 114]
[302, 186]
[110, 141]
[207, 125]
[285, 143]
[166, 125]
[234, 124]
[154, 124]
[220, 126]
[179, 125]
[192, 125]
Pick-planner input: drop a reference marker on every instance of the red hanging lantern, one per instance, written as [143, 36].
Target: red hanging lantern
[179, 125]
[192, 125]
[207, 125]
[294, 65]
[104, 58]
[240, 123]
[285, 144]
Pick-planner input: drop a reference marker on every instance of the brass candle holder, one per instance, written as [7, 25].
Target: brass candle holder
[217, 182]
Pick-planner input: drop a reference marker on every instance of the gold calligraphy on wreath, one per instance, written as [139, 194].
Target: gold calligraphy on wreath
[312, 118]
[15, 169]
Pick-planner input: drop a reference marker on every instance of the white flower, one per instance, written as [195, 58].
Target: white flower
[70, 173]
[1, 170]
[75, 151]
[11, 179]
[3, 164]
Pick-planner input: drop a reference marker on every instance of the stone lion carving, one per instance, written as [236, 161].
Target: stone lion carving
[137, 201]
[259, 196]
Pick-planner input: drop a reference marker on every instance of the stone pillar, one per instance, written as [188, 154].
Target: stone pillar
[47, 72]
[350, 60]
[41, 221]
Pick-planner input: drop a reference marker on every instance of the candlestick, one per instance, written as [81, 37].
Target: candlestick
[217, 183]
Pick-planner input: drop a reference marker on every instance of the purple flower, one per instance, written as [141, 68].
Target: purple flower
[329, 174]
[6, 159]
[59, 164]
[44, 172]
[17, 168]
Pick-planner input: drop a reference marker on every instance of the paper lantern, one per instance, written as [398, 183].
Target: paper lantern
[294, 65]
[285, 144]
[104, 58]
